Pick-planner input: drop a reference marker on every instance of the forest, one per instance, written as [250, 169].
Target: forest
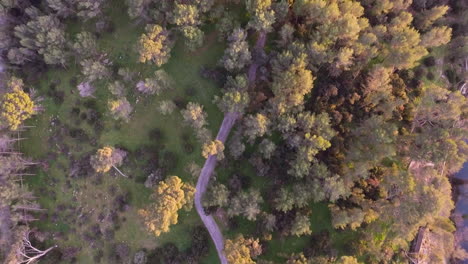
[232, 131]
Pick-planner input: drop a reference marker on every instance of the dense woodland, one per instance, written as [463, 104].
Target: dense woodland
[343, 146]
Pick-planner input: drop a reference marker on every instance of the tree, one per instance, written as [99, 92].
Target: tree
[309, 134]
[256, 126]
[16, 105]
[157, 84]
[107, 158]
[241, 250]
[194, 115]
[85, 45]
[44, 35]
[117, 88]
[155, 45]
[371, 142]
[437, 36]
[86, 9]
[22, 251]
[86, 89]
[193, 37]
[235, 98]
[291, 81]
[378, 92]
[120, 109]
[214, 147]
[236, 146]
[404, 48]
[226, 24]
[301, 225]
[297, 259]
[267, 148]
[185, 15]
[217, 195]
[439, 118]
[170, 196]
[166, 107]
[237, 55]
[246, 203]
[347, 260]
[95, 69]
[426, 18]
[137, 8]
[263, 15]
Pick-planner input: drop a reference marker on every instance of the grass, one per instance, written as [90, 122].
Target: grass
[49, 144]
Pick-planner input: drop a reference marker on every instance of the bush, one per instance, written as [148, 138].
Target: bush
[419, 72]
[156, 134]
[429, 61]
[188, 147]
[169, 160]
[430, 76]
[75, 111]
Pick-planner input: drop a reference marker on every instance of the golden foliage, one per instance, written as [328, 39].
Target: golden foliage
[16, 106]
[170, 195]
[102, 160]
[241, 250]
[214, 147]
[154, 45]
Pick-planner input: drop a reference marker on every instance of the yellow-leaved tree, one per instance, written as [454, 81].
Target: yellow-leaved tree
[15, 106]
[170, 196]
[107, 158]
[214, 147]
[155, 45]
[241, 250]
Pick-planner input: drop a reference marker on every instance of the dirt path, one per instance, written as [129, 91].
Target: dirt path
[210, 164]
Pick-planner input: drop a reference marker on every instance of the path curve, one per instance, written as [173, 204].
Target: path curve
[229, 120]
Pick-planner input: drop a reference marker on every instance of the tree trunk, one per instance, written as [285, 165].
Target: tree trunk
[121, 173]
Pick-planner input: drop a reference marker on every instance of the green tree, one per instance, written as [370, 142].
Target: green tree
[263, 15]
[237, 55]
[193, 37]
[85, 45]
[95, 69]
[426, 18]
[170, 196]
[216, 195]
[347, 260]
[291, 81]
[194, 115]
[235, 97]
[116, 88]
[371, 142]
[45, 36]
[256, 126]
[404, 48]
[166, 107]
[157, 84]
[437, 36]
[267, 148]
[301, 225]
[246, 203]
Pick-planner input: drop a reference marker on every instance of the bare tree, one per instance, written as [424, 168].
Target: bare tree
[27, 253]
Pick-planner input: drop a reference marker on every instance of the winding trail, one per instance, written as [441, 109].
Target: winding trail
[229, 120]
